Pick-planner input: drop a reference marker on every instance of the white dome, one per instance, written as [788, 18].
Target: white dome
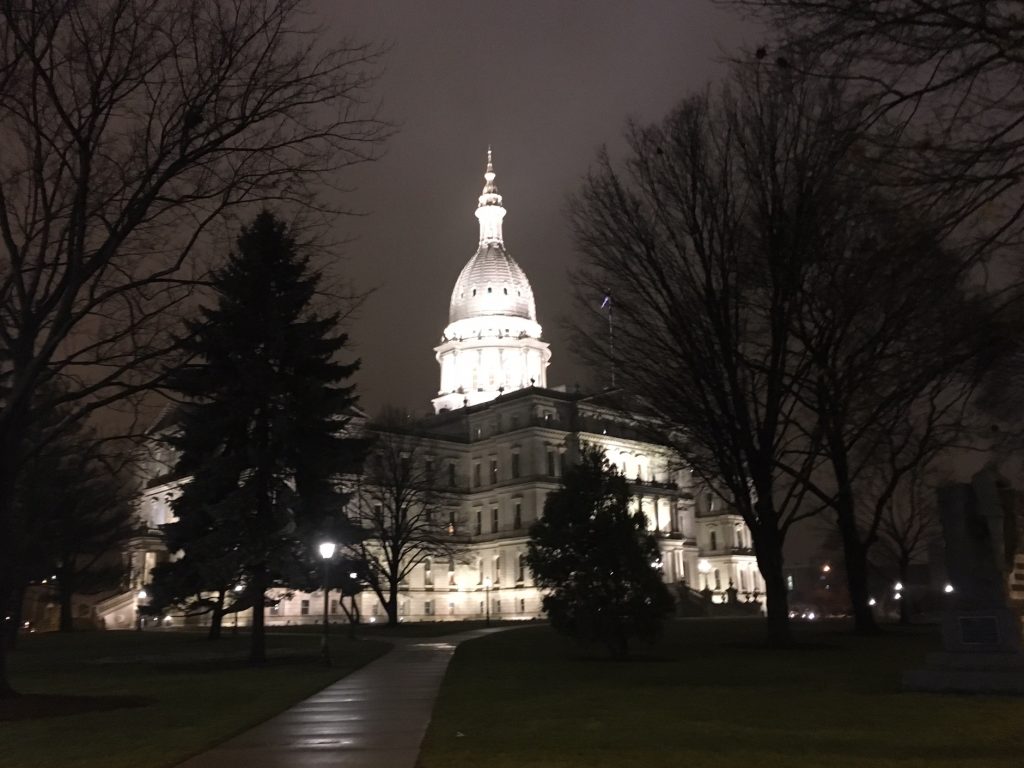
[492, 283]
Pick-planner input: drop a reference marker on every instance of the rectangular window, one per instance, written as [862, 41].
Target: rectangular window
[304, 608]
[428, 468]
[406, 466]
[479, 522]
[497, 606]
[562, 461]
[497, 569]
[494, 471]
[334, 606]
[275, 609]
[521, 569]
[494, 519]
[428, 574]
[522, 606]
[515, 465]
[517, 514]
[451, 475]
[551, 462]
[476, 474]
[428, 608]
[451, 609]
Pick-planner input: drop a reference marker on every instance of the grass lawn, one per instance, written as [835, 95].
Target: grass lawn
[708, 697]
[175, 694]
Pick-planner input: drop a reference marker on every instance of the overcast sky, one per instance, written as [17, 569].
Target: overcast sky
[544, 83]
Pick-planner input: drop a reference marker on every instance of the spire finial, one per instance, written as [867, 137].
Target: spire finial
[489, 187]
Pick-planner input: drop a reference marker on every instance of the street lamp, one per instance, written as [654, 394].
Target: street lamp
[487, 601]
[326, 552]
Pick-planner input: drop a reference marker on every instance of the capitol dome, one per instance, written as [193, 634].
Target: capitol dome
[492, 283]
[492, 343]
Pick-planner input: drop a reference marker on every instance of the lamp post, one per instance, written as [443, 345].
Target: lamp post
[326, 553]
[487, 601]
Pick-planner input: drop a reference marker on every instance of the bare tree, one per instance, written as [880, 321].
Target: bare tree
[907, 527]
[129, 126]
[403, 511]
[703, 246]
[947, 75]
[893, 340]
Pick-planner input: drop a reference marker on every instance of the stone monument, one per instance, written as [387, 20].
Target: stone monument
[981, 634]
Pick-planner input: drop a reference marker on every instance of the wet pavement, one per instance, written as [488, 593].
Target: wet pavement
[374, 718]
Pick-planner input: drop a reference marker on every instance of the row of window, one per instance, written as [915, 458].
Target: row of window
[497, 567]
[495, 519]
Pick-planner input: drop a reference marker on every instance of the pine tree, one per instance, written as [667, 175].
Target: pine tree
[596, 560]
[262, 435]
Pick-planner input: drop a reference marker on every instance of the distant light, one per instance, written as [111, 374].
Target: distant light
[704, 566]
[239, 587]
[811, 615]
[143, 594]
[353, 575]
[898, 586]
[826, 568]
[327, 550]
[26, 623]
[948, 589]
[44, 581]
[373, 619]
[897, 596]
[872, 602]
[487, 582]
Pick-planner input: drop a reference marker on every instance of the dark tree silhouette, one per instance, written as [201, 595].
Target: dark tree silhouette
[704, 243]
[128, 127]
[596, 560]
[261, 439]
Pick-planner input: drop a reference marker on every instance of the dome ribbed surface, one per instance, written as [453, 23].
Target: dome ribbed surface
[492, 283]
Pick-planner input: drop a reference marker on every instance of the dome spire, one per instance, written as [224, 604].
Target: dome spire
[489, 209]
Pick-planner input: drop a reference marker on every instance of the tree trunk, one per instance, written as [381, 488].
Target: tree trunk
[67, 619]
[391, 606]
[65, 593]
[216, 617]
[257, 634]
[855, 555]
[767, 540]
[11, 593]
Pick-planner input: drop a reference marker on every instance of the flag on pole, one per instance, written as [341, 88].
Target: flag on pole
[607, 301]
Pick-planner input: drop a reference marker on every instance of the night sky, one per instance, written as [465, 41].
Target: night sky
[544, 83]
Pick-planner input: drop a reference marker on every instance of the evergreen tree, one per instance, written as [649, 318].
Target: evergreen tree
[596, 560]
[262, 436]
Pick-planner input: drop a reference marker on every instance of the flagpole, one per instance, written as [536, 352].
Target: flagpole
[611, 335]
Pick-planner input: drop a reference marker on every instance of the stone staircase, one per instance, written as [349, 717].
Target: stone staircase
[116, 612]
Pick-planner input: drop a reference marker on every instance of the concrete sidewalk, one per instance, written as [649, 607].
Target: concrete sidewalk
[374, 718]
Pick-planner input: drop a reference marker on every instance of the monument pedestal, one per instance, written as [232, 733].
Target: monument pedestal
[983, 655]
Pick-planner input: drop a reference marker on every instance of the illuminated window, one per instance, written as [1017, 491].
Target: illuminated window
[428, 573]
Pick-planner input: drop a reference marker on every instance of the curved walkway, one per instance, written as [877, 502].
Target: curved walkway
[374, 718]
